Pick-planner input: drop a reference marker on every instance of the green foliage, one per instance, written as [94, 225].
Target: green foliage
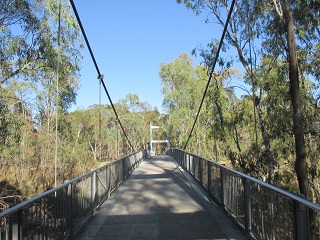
[252, 132]
[182, 87]
[31, 62]
[262, 123]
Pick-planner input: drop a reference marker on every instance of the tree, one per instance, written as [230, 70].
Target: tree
[182, 88]
[293, 33]
[241, 32]
[29, 54]
[223, 99]
[298, 128]
[17, 49]
[267, 28]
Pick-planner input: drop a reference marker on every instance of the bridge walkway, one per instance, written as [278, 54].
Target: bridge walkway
[160, 201]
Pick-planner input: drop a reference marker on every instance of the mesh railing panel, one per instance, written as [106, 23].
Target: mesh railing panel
[264, 211]
[60, 212]
[215, 182]
[234, 199]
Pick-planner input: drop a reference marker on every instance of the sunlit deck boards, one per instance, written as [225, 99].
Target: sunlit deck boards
[159, 201]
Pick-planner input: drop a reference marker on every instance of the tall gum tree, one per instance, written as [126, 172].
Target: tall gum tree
[241, 33]
[275, 23]
[29, 54]
[182, 88]
[298, 127]
[296, 67]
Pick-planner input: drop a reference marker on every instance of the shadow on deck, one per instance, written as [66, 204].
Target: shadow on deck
[160, 201]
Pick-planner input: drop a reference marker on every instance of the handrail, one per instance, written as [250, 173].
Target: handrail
[261, 209]
[276, 189]
[35, 198]
[60, 212]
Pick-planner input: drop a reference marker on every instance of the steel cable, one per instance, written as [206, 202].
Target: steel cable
[212, 70]
[100, 76]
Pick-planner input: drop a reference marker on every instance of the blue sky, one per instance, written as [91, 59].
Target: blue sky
[130, 39]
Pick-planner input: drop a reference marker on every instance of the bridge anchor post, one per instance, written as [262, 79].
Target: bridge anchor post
[69, 212]
[223, 178]
[15, 226]
[301, 220]
[247, 205]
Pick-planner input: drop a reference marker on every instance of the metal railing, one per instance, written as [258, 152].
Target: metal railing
[61, 212]
[262, 210]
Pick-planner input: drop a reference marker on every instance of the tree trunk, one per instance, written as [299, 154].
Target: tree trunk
[271, 162]
[298, 129]
[230, 153]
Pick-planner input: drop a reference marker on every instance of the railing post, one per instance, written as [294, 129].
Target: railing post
[182, 161]
[69, 212]
[194, 166]
[200, 170]
[223, 193]
[94, 191]
[301, 221]
[15, 225]
[109, 181]
[247, 205]
[209, 178]
[181, 156]
[124, 167]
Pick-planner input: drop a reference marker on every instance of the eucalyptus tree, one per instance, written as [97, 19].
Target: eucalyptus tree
[137, 120]
[18, 22]
[19, 37]
[283, 29]
[30, 61]
[241, 33]
[183, 87]
[59, 64]
[223, 100]
[294, 33]
[79, 142]
[182, 90]
[275, 101]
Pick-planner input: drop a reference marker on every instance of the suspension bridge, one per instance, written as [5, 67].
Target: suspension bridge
[179, 195]
[176, 196]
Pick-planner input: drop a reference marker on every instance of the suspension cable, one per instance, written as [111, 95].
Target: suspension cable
[57, 97]
[212, 69]
[100, 76]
